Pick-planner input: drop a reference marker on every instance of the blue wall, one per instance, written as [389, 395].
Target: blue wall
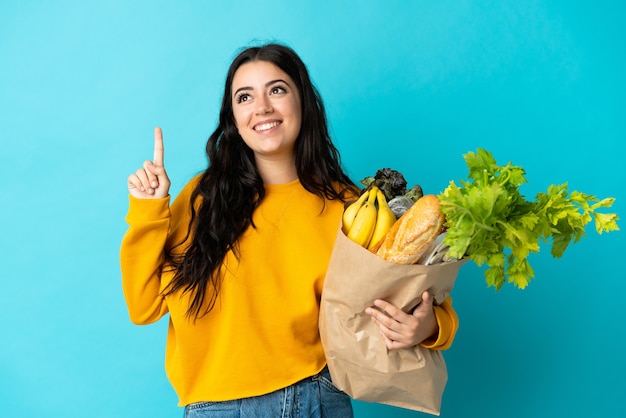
[408, 84]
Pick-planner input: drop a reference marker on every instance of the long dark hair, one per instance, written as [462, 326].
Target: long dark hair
[231, 188]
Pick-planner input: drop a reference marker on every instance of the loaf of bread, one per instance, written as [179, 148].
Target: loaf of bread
[410, 235]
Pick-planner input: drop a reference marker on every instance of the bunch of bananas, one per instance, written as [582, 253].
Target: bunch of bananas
[368, 219]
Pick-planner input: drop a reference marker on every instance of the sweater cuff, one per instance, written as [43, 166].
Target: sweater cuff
[146, 210]
[448, 322]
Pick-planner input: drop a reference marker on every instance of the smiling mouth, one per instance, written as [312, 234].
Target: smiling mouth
[266, 126]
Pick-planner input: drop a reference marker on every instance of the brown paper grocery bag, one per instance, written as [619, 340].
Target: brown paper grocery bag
[358, 360]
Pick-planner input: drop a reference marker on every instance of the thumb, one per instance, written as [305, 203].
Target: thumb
[425, 305]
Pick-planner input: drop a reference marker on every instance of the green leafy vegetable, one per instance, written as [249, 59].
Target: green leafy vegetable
[489, 221]
[391, 182]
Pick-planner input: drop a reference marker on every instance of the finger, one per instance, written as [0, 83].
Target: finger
[388, 341]
[389, 330]
[390, 309]
[395, 345]
[394, 342]
[427, 298]
[158, 147]
[425, 305]
[152, 173]
[144, 182]
[134, 183]
[383, 320]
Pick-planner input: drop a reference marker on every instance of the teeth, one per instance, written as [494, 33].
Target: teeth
[266, 126]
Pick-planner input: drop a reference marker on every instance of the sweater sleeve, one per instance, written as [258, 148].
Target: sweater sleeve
[141, 255]
[153, 227]
[448, 322]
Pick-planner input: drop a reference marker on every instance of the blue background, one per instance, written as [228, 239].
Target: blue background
[410, 85]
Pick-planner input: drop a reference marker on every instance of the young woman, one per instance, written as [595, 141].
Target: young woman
[238, 259]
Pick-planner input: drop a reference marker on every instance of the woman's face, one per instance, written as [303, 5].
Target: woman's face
[267, 109]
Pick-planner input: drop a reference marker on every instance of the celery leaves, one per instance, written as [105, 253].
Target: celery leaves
[489, 221]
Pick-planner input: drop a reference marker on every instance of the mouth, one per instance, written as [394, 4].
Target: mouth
[262, 127]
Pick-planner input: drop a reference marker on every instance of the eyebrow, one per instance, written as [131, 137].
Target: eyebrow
[269, 83]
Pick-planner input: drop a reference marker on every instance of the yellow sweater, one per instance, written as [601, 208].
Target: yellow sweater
[262, 334]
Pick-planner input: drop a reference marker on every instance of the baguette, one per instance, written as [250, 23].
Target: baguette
[410, 235]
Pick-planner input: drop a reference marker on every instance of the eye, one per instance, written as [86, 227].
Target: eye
[242, 97]
[278, 90]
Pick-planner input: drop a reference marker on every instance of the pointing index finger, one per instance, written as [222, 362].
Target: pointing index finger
[158, 147]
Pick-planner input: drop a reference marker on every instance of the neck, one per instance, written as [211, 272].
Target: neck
[277, 172]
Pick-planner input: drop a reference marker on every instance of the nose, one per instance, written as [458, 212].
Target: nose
[264, 105]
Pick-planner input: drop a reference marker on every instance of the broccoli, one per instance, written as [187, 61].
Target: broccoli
[391, 182]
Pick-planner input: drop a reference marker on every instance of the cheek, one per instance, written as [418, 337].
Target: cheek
[240, 121]
[290, 109]
[297, 110]
[298, 117]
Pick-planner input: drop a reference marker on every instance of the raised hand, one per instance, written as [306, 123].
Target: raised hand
[151, 181]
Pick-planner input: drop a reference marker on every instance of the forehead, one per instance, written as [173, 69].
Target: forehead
[255, 73]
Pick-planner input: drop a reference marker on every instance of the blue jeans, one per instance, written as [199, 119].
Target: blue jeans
[313, 397]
